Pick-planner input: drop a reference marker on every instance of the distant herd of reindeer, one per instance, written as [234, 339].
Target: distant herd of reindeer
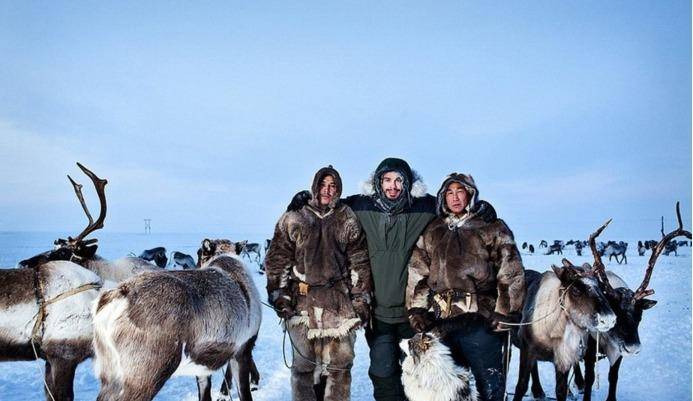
[610, 249]
[143, 323]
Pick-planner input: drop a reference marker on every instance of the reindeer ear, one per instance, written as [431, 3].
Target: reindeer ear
[566, 262]
[239, 246]
[207, 246]
[645, 303]
[557, 270]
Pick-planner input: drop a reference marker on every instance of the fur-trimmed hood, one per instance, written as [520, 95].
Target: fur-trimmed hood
[467, 181]
[412, 185]
[418, 188]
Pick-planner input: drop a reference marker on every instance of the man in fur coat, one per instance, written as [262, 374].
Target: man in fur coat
[393, 212]
[467, 274]
[319, 281]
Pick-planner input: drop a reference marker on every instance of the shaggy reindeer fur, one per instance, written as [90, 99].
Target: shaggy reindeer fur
[64, 340]
[187, 322]
[564, 305]
[430, 374]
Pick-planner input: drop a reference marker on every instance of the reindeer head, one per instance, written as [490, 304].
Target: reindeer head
[76, 249]
[626, 303]
[211, 248]
[582, 297]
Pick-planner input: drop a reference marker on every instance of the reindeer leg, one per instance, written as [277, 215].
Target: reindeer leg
[561, 385]
[204, 388]
[244, 361]
[537, 390]
[579, 379]
[526, 364]
[61, 375]
[254, 376]
[590, 361]
[227, 383]
[613, 379]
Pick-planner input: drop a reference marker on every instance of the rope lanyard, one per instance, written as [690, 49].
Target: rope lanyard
[295, 350]
[41, 315]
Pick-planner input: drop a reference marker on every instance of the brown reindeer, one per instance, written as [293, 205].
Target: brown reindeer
[45, 312]
[188, 322]
[561, 307]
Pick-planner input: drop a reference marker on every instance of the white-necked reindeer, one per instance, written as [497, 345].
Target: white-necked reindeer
[561, 307]
[190, 322]
[623, 339]
[45, 312]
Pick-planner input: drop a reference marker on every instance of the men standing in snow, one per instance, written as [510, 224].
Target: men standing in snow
[467, 275]
[319, 282]
[393, 213]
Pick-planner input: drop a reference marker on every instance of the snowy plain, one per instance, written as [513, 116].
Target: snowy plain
[661, 371]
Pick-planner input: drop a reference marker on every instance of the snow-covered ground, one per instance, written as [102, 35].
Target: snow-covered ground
[662, 370]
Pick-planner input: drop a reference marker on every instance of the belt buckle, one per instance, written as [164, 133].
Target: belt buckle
[467, 301]
[303, 288]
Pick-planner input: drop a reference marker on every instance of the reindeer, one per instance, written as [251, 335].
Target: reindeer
[156, 255]
[561, 307]
[623, 339]
[555, 248]
[83, 251]
[543, 244]
[45, 313]
[184, 322]
[183, 260]
[670, 247]
[641, 249]
[614, 249]
[578, 247]
[249, 248]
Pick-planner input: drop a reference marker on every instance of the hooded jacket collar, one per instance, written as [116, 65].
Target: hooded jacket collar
[468, 183]
[314, 203]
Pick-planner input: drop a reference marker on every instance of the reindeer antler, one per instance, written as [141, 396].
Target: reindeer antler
[598, 267]
[100, 185]
[642, 291]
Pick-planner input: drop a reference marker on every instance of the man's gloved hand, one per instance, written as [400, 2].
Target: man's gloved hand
[485, 210]
[498, 319]
[298, 201]
[362, 310]
[418, 320]
[283, 308]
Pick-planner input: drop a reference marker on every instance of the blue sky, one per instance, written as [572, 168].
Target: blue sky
[207, 118]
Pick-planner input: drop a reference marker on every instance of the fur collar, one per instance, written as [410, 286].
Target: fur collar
[418, 187]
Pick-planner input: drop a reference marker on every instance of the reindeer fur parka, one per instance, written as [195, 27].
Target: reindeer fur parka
[461, 264]
[325, 248]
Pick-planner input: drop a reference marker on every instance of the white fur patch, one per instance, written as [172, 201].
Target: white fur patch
[69, 318]
[104, 323]
[435, 377]
[17, 321]
[189, 368]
